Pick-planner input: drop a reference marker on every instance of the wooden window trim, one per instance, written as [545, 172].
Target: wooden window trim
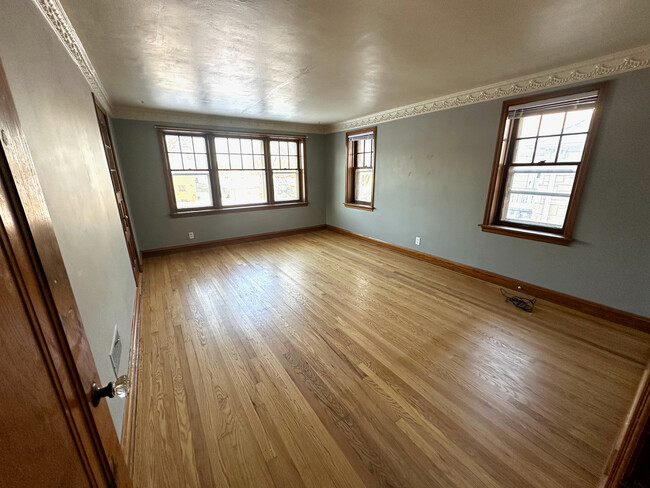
[350, 202]
[217, 206]
[491, 219]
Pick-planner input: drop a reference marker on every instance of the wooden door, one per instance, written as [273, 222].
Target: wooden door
[51, 436]
[117, 188]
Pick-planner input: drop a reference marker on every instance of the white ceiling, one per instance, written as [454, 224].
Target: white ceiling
[325, 61]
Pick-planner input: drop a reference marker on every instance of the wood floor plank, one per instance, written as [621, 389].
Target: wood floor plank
[319, 360]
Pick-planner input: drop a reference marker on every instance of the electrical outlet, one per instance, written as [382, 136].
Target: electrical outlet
[116, 352]
[417, 241]
[191, 234]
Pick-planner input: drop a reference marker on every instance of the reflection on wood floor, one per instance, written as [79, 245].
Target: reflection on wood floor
[323, 361]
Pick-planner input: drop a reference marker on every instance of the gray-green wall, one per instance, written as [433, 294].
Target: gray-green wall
[58, 119]
[143, 175]
[432, 179]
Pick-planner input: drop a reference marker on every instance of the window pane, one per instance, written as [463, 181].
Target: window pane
[368, 145]
[546, 149]
[538, 196]
[242, 187]
[545, 210]
[367, 160]
[274, 147]
[188, 161]
[201, 161]
[578, 121]
[359, 160]
[524, 151]
[175, 161]
[571, 148]
[192, 190]
[246, 146]
[221, 144]
[285, 186]
[172, 144]
[258, 161]
[551, 124]
[275, 162]
[247, 161]
[235, 161]
[233, 145]
[293, 148]
[284, 161]
[362, 185]
[223, 162]
[293, 162]
[258, 146]
[528, 126]
[199, 145]
[284, 147]
[553, 179]
[186, 144]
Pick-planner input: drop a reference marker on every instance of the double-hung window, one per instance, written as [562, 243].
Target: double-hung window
[540, 164]
[212, 171]
[360, 168]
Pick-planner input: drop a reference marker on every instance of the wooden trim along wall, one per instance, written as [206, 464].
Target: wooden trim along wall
[232, 240]
[128, 423]
[602, 311]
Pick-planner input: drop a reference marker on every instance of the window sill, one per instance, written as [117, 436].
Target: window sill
[249, 208]
[360, 206]
[527, 234]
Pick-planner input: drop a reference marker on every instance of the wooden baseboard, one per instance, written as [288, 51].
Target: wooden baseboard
[602, 311]
[232, 240]
[128, 424]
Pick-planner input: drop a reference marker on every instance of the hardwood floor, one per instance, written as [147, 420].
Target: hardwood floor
[320, 360]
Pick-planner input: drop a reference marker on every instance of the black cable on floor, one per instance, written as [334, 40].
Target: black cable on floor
[526, 304]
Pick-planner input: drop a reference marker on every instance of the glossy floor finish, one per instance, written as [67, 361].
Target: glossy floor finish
[320, 360]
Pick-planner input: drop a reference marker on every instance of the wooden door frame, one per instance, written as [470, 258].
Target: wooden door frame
[96, 436]
[138, 256]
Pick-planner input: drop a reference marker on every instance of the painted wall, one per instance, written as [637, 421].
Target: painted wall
[143, 175]
[432, 178]
[58, 118]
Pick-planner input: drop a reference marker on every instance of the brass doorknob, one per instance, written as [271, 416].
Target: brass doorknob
[120, 388]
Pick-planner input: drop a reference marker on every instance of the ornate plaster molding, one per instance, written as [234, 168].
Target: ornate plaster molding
[189, 118]
[58, 20]
[613, 64]
[620, 62]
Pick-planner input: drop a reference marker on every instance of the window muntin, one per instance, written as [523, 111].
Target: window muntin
[221, 171]
[240, 168]
[540, 163]
[360, 168]
[186, 155]
[546, 151]
[285, 170]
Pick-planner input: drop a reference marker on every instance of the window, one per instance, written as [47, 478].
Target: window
[540, 164]
[211, 171]
[360, 168]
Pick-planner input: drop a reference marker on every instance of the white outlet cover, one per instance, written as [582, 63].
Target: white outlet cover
[191, 234]
[417, 241]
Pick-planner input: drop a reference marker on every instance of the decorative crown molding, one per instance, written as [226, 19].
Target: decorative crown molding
[53, 11]
[620, 62]
[612, 64]
[190, 118]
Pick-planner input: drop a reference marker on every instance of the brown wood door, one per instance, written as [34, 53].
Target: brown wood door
[117, 188]
[50, 436]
